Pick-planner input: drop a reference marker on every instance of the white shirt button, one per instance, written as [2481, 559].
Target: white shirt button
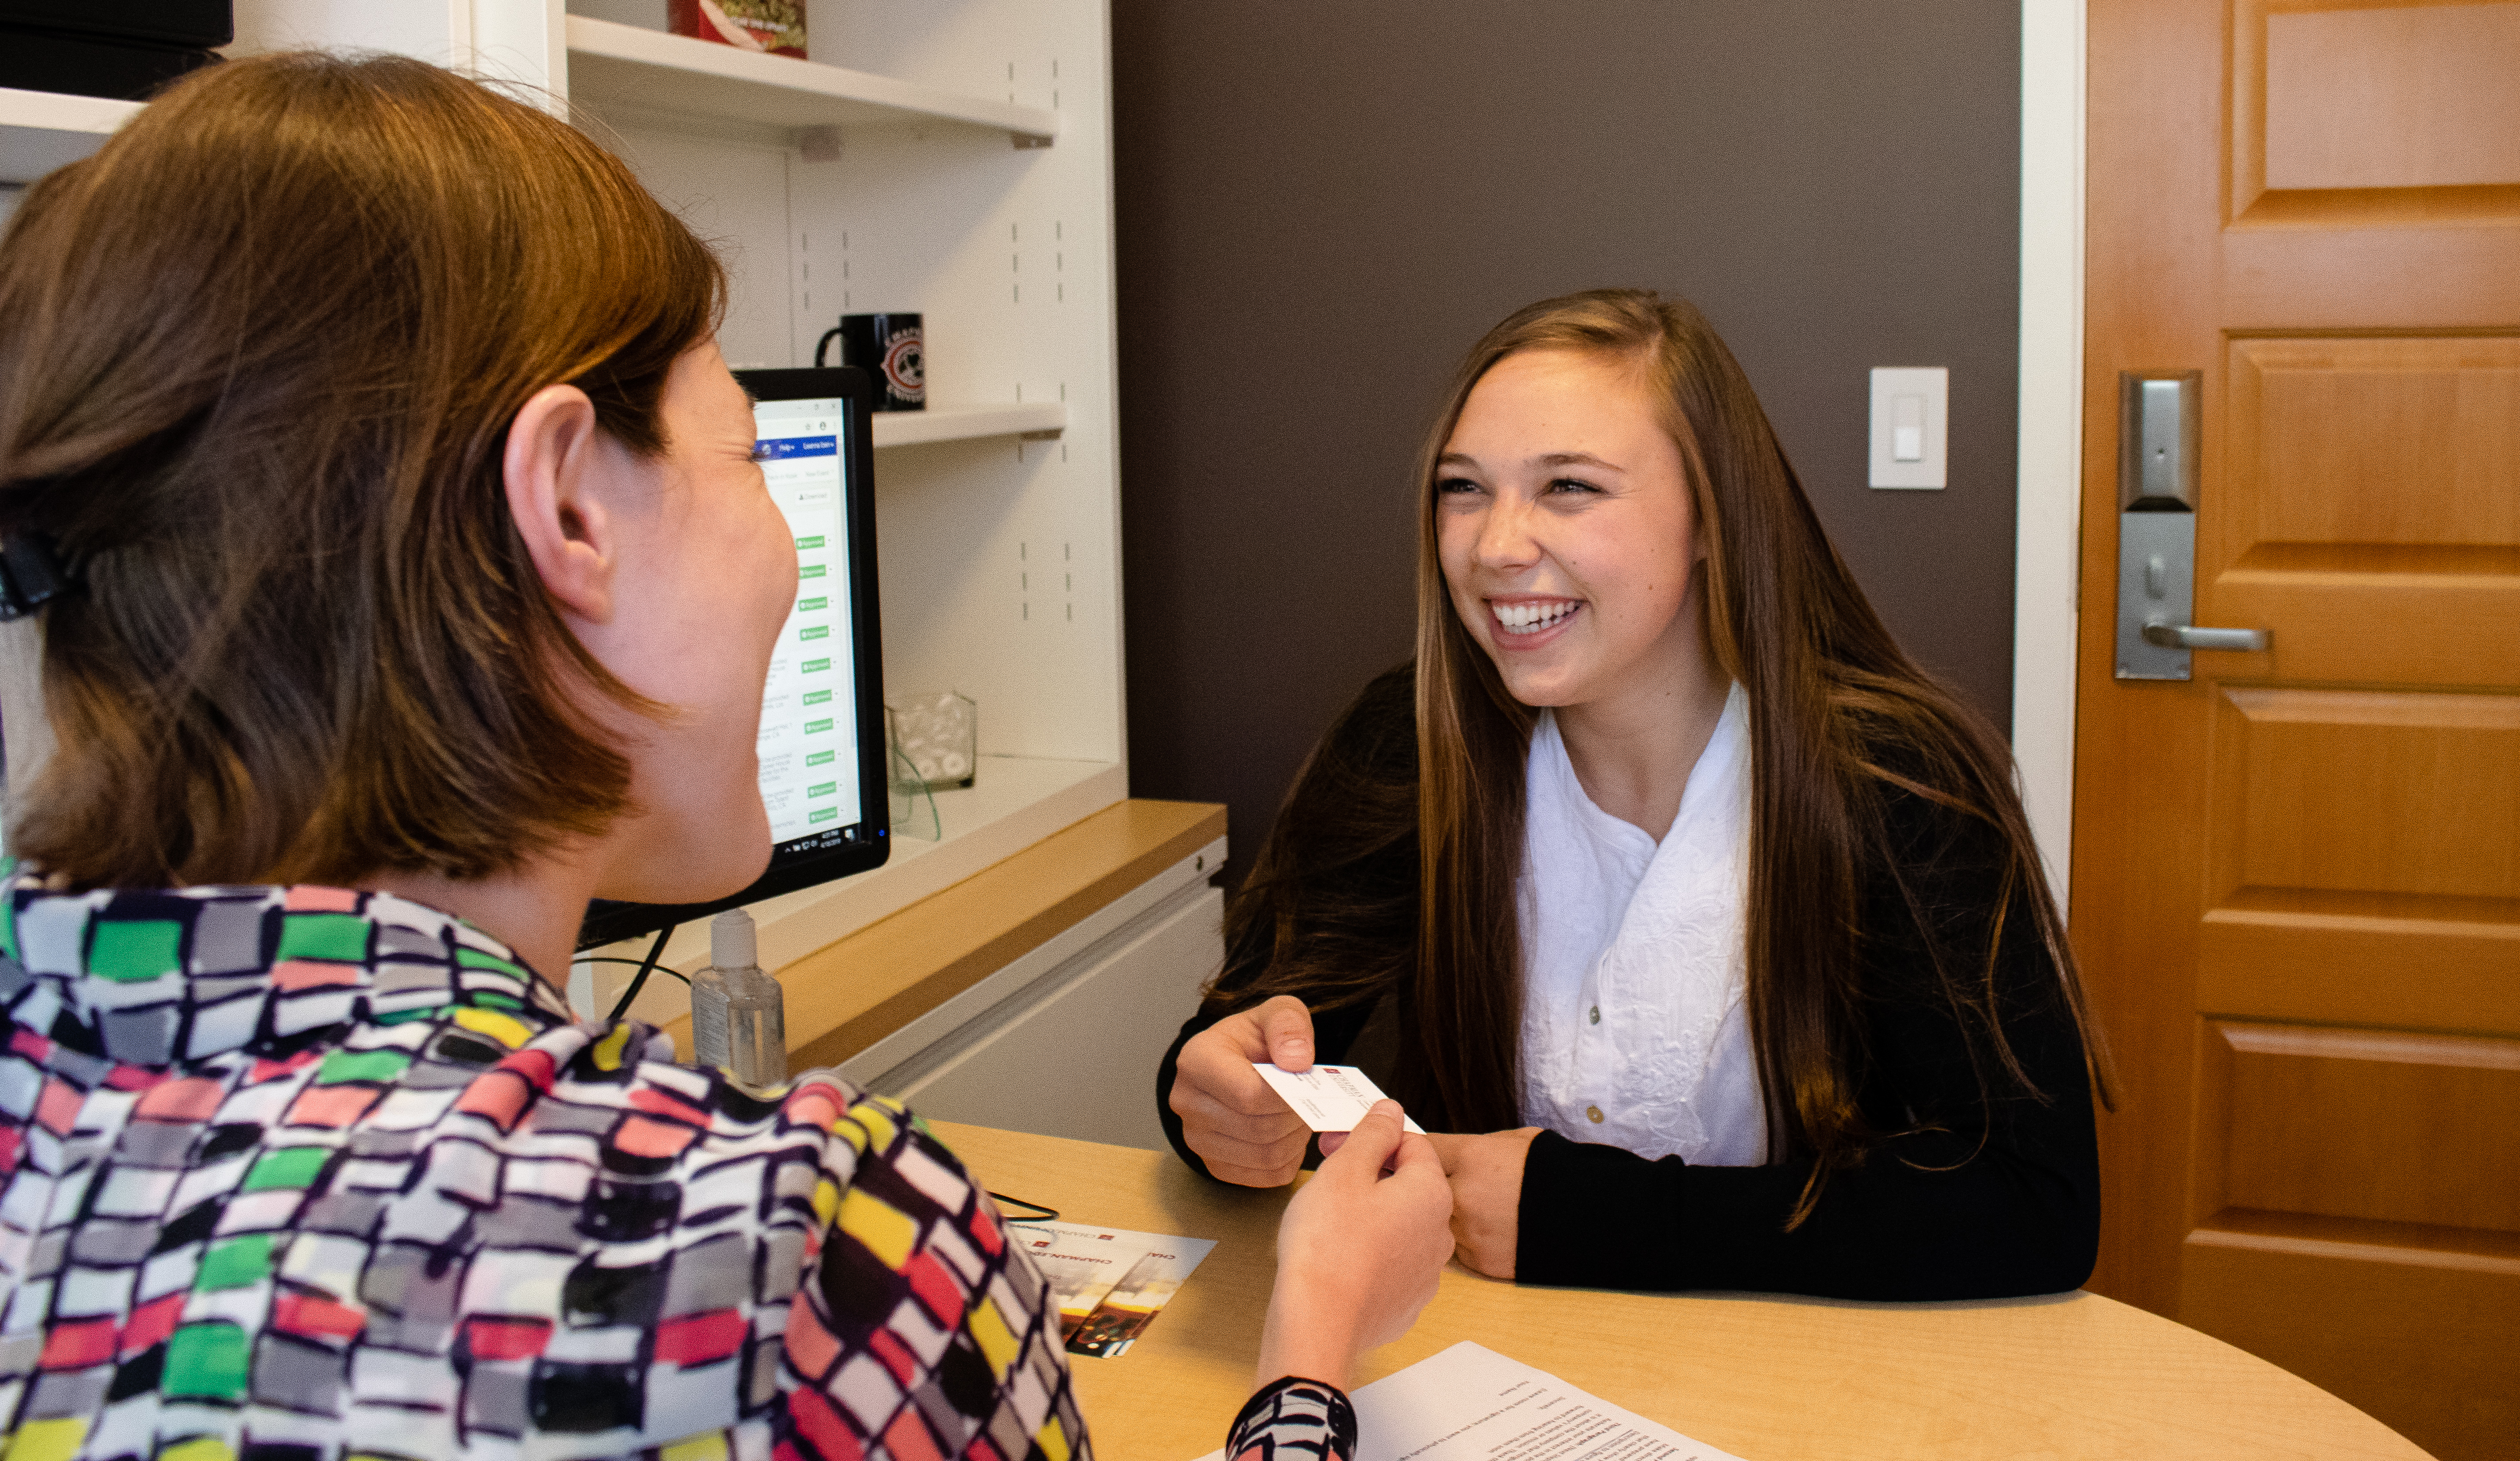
[1596, 1014]
[1594, 1111]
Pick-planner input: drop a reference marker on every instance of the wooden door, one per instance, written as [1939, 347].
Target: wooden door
[2296, 883]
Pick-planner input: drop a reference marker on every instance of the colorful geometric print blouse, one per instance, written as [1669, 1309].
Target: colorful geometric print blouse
[304, 1174]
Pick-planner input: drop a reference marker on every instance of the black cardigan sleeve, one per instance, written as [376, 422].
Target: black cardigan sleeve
[1991, 1192]
[1327, 837]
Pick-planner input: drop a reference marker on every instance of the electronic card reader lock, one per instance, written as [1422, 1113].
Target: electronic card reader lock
[2159, 431]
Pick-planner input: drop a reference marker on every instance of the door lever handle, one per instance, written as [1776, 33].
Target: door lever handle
[2190, 636]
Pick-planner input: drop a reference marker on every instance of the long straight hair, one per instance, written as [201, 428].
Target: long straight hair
[1839, 715]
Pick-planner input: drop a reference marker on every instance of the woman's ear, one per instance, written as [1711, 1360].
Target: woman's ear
[554, 458]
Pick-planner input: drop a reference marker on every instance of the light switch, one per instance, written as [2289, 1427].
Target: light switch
[1910, 417]
[1907, 428]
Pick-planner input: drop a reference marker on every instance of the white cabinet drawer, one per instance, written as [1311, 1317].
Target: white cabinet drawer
[1071, 1050]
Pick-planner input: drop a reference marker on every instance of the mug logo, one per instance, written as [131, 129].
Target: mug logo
[905, 366]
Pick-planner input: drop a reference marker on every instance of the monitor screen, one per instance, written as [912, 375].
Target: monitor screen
[820, 744]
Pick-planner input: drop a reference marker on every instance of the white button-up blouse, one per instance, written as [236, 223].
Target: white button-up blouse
[1633, 960]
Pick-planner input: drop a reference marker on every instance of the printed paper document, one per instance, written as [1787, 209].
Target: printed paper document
[1470, 1403]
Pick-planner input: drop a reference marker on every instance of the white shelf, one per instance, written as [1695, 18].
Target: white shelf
[41, 130]
[59, 111]
[1014, 801]
[635, 67]
[897, 429]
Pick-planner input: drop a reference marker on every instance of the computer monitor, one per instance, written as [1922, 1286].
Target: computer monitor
[822, 746]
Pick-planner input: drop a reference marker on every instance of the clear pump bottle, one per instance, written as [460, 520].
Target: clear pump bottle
[739, 1013]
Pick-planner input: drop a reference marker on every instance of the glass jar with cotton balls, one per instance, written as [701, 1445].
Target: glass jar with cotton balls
[939, 736]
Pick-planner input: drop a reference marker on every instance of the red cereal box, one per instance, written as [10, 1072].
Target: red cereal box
[777, 26]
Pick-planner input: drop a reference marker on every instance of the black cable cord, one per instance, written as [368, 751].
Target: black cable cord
[606, 958]
[639, 980]
[1047, 1214]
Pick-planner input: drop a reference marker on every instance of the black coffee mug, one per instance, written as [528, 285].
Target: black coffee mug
[891, 349]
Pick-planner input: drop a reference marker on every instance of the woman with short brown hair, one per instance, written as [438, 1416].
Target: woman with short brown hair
[298, 304]
[1706, 923]
[388, 535]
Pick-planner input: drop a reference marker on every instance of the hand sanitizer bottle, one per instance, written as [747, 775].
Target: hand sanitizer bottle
[739, 1013]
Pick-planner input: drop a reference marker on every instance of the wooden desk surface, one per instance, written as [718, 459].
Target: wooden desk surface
[857, 989]
[1764, 1377]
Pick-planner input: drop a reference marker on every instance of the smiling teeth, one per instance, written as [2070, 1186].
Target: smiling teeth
[1531, 618]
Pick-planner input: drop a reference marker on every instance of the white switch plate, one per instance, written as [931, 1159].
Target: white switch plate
[1932, 385]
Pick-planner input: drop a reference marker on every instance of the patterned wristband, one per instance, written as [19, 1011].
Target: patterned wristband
[1293, 1419]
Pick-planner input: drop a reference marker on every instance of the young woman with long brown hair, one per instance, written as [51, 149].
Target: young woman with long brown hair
[390, 542]
[1703, 926]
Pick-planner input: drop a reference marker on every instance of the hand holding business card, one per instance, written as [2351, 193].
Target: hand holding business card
[1329, 1098]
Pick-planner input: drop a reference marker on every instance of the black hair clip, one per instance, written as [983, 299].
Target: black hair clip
[32, 574]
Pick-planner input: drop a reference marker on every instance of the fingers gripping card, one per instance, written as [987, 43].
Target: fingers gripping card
[1329, 1098]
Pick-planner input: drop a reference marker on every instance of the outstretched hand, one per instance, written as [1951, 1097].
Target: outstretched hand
[1486, 1176]
[1230, 1116]
[1358, 1252]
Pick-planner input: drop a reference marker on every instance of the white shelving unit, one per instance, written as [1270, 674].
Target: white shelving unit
[897, 429]
[41, 130]
[947, 157]
[611, 62]
[952, 158]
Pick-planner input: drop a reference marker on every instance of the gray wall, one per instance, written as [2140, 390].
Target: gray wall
[1324, 202]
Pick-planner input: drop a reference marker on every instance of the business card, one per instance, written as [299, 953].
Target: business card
[1329, 1098]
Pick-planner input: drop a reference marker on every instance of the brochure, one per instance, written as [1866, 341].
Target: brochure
[1110, 1281]
[1131, 1305]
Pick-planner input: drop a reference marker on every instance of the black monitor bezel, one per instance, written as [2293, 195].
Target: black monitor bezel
[791, 868]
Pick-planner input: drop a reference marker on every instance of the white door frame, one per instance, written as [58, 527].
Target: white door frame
[2047, 535]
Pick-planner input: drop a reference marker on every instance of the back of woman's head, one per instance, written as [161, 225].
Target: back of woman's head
[257, 360]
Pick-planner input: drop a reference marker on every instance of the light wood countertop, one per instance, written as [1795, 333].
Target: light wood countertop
[1765, 1377]
[854, 991]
